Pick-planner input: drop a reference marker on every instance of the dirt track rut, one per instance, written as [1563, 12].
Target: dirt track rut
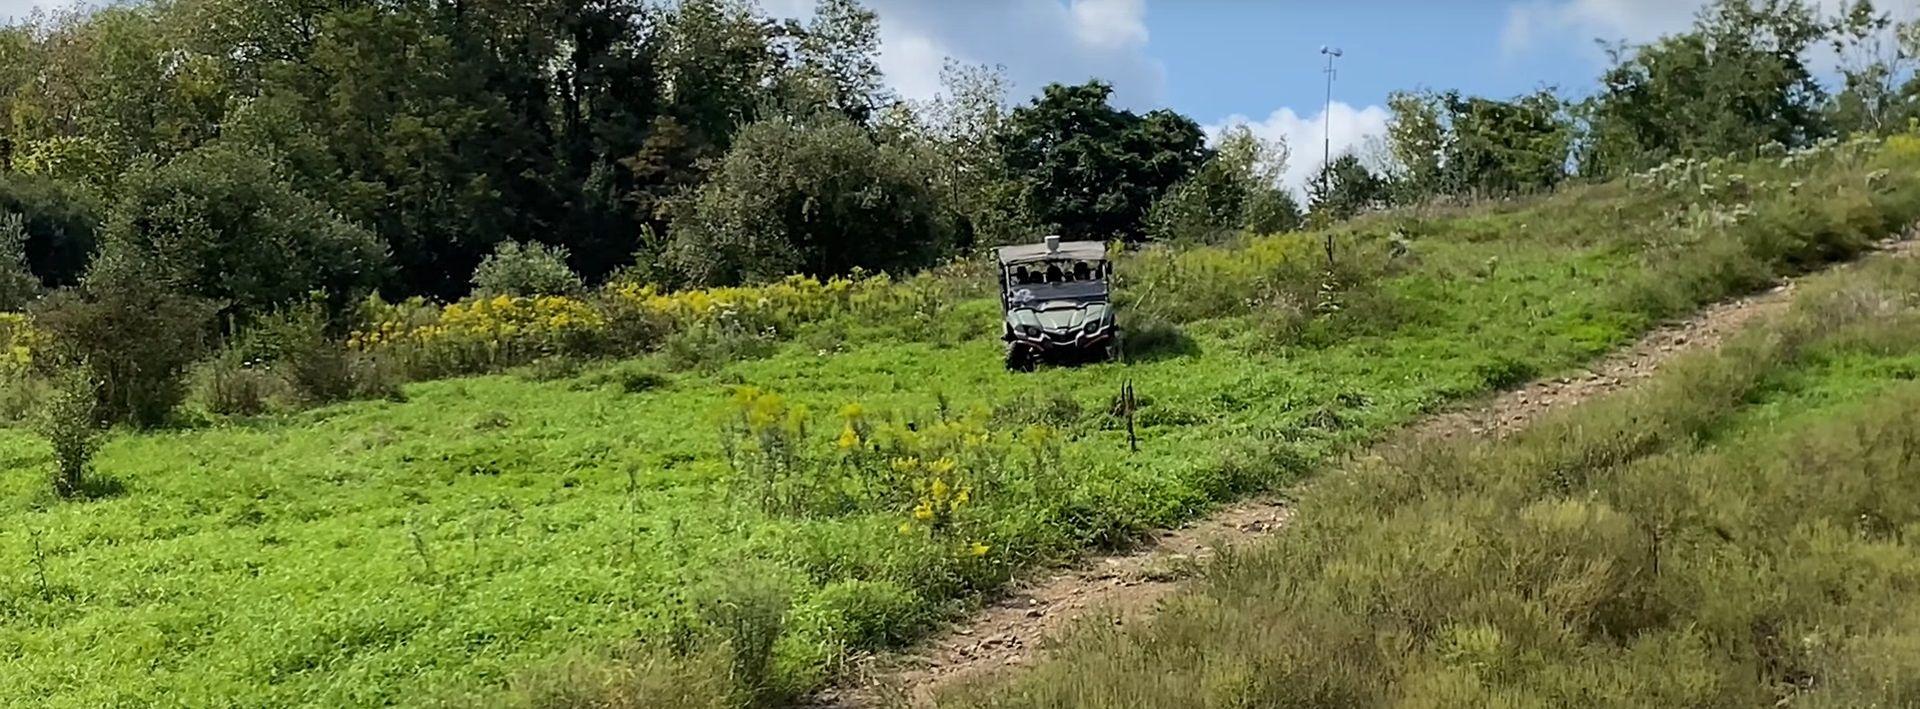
[1128, 587]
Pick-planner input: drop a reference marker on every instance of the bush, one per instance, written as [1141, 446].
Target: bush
[709, 347]
[70, 422]
[288, 359]
[61, 225]
[136, 338]
[526, 270]
[294, 343]
[220, 223]
[231, 385]
[376, 375]
[820, 198]
[18, 286]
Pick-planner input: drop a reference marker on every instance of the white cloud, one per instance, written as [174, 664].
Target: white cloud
[1531, 24]
[1110, 23]
[1038, 41]
[912, 63]
[1306, 138]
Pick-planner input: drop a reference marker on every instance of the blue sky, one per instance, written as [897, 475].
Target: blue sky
[1225, 57]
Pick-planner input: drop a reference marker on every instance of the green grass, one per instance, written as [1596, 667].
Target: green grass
[542, 540]
[1739, 532]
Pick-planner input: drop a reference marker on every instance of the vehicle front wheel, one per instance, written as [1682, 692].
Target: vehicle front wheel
[1020, 359]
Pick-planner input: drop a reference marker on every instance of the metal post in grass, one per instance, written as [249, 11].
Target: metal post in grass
[1326, 144]
[1126, 403]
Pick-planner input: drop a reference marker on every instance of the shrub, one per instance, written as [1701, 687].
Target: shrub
[549, 369]
[376, 375]
[221, 223]
[18, 286]
[288, 359]
[60, 221]
[294, 343]
[820, 197]
[526, 270]
[135, 337]
[709, 347]
[70, 422]
[231, 385]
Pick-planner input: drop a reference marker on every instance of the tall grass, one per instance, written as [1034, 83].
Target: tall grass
[1605, 557]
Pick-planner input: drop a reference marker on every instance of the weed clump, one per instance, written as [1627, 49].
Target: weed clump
[69, 420]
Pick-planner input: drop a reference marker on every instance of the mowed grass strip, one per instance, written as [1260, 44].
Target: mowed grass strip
[569, 537]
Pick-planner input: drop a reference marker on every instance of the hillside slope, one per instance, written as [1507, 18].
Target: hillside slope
[1736, 532]
[737, 529]
[1129, 587]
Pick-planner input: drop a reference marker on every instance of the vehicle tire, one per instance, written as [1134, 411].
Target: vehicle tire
[1019, 359]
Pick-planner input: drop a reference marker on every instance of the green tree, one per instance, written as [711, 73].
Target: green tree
[1879, 89]
[133, 337]
[819, 197]
[1091, 169]
[957, 138]
[1737, 81]
[220, 223]
[1418, 136]
[837, 62]
[1506, 147]
[1237, 188]
[1344, 189]
[1446, 143]
[715, 59]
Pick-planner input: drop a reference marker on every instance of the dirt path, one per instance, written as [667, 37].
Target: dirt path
[1129, 586]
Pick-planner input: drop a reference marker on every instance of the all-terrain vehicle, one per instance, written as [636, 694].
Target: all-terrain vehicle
[1057, 305]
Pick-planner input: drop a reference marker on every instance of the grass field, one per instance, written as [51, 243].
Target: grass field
[1740, 532]
[559, 532]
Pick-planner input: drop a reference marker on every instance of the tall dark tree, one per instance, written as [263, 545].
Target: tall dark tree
[1093, 170]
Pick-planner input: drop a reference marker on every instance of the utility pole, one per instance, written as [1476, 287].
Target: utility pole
[1326, 146]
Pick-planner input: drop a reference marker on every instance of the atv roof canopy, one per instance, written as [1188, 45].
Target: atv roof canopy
[1055, 250]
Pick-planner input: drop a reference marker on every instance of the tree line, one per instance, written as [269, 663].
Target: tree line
[1744, 78]
[252, 151]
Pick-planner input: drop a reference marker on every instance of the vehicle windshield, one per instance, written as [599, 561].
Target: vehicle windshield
[1038, 294]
